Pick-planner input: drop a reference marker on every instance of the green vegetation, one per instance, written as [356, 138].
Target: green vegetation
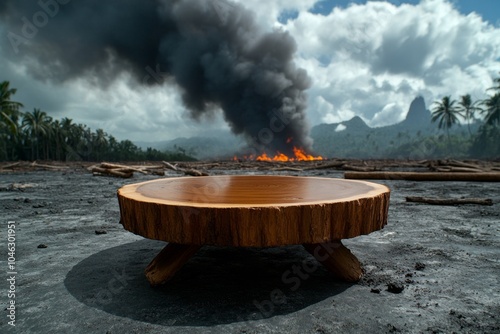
[447, 114]
[35, 135]
[417, 137]
[486, 143]
[468, 109]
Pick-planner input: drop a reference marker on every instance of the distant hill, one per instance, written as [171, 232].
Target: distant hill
[354, 125]
[355, 139]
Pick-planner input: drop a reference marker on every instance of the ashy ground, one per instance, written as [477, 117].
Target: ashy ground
[433, 269]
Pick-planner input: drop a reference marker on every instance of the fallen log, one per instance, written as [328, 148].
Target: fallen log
[37, 165]
[10, 165]
[332, 165]
[122, 168]
[90, 168]
[146, 167]
[452, 169]
[188, 171]
[359, 168]
[449, 201]
[424, 176]
[456, 163]
[125, 171]
[99, 171]
[170, 166]
[157, 172]
[291, 169]
[194, 172]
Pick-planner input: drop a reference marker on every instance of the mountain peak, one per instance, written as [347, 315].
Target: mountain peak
[418, 114]
[356, 124]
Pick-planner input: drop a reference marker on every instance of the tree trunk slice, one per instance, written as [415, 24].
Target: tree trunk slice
[168, 262]
[252, 211]
[337, 259]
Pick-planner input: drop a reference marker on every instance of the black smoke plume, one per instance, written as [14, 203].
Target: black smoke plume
[212, 50]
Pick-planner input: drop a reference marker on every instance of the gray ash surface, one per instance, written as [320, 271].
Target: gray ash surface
[446, 259]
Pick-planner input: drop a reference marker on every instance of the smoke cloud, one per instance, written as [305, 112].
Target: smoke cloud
[212, 50]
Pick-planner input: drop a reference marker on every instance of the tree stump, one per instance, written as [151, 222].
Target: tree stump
[253, 211]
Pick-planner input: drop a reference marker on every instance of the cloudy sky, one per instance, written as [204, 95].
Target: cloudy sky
[369, 59]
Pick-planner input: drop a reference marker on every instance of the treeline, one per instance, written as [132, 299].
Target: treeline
[485, 143]
[35, 135]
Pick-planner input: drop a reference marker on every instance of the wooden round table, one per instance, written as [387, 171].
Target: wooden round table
[253, 211]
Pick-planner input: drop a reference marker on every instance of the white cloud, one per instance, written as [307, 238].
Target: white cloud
[390, 114]
[340, 128]
[373, 59]
[145, 114]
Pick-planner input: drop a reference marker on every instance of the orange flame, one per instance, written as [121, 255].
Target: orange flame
[299, 155]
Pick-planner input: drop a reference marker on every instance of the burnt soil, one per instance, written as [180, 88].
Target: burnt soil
[432, 269]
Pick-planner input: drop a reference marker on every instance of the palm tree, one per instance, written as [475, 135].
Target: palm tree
[58, 139]
[497, 82]
[100, 143]
[468, 109]
[9, 115]
[446, 113]
[492, 110]
[37, 124]
[66, 130]
[112, 148]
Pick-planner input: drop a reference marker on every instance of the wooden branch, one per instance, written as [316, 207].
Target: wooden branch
[90, 168]
[291, 169]
[326, 166]
[359, 168]
[424, 176]
[124, 171]
[449, 201]
[147, 167]
[186, 171]
[157, 172]
[170, 166]
[194, 172]
[122, 168]
[98, 171]
[10, 165]
[35, 164]
[451, 169]
[456, 163]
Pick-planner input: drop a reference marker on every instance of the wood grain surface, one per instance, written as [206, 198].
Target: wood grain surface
[253, 210]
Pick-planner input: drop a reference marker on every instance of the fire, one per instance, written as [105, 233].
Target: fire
[299, 155]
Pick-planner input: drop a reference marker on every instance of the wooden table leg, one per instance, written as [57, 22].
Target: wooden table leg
[168, 262]
[337, 259]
